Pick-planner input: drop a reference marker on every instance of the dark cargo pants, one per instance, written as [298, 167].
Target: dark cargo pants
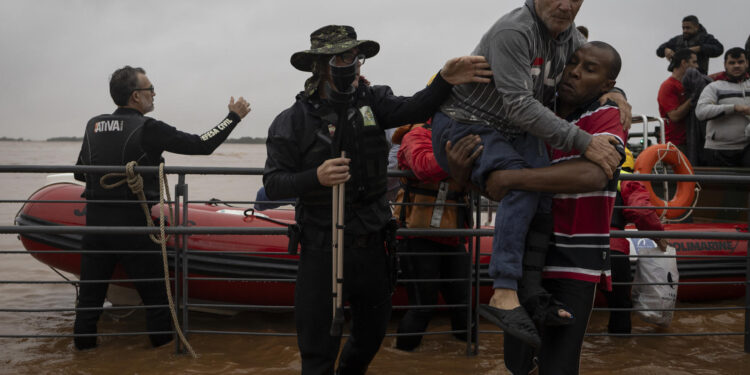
[101, 266]
[366, 288]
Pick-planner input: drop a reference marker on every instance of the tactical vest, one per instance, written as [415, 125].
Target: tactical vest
[116, 140]
[365, 144]
[427, 216]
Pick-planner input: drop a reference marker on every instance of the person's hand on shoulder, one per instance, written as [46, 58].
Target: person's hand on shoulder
[626, 114]
[466, 69]
[241, 107]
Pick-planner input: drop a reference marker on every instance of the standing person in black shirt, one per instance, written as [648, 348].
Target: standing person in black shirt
[337, 112]
[117, 139]
[695, 38]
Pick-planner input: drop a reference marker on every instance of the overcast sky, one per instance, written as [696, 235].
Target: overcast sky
[57, 55]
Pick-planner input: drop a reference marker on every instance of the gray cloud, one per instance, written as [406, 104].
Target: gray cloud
[57, 55]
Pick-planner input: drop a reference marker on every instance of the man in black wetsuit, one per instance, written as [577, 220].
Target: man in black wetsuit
[335, 112]
[117, 139]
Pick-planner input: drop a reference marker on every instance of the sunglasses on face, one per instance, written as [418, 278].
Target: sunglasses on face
[349, 57]
[150, 88]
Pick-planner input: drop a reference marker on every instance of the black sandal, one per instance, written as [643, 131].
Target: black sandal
[515, 322]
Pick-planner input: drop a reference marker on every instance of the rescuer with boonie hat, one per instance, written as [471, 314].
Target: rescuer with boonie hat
[334, 135]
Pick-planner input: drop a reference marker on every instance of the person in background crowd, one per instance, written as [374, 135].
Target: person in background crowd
[722, 75]
[262, 202]
[434, 186]
[629, 194]
[693, 83]
[393, 182]
[695, 38]
[726, 107]
[584, 31]
[674, 107]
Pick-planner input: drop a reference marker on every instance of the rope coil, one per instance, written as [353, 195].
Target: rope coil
[135, 183]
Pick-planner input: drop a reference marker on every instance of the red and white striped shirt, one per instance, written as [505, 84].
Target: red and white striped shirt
[581, 221]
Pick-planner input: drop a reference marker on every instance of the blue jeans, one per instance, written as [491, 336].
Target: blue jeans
[518, 207]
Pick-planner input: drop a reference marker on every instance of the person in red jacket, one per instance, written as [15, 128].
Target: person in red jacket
[629, 194]
[432, 188]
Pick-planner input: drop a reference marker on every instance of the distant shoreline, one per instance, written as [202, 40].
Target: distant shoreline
[244, 140]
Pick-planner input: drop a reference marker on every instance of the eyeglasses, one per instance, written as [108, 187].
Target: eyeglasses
[349, 57]
[150, 88]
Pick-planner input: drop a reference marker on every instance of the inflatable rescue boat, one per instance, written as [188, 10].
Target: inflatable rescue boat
[227, 257]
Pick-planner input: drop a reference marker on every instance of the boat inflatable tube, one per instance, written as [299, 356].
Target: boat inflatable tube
[686, 191]
[257, 269]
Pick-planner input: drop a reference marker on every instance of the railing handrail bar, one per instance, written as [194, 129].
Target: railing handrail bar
[258, 171]
[736, 178]
[279, 231]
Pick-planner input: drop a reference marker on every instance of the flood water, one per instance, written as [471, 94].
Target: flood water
[244, 354]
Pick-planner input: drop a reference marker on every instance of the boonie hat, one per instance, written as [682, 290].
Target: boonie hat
[332, 40]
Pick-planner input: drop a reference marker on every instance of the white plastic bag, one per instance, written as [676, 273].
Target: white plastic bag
[655, 270]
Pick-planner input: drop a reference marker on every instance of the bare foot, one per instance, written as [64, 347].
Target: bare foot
[505, 299]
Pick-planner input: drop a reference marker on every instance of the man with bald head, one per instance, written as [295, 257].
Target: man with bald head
[514, 117]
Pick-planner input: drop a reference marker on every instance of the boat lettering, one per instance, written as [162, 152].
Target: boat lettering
[705, 245]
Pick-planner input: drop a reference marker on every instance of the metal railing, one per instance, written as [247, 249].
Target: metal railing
[181, 254]
[658, 131]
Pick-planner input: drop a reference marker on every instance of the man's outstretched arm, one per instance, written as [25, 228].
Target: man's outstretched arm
[573, 176]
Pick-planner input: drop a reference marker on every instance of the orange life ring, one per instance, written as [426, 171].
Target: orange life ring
[669, 154]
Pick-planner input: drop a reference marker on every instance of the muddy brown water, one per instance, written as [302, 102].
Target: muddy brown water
[246, 354]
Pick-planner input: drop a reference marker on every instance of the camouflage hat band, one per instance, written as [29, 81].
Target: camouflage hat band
[332, 40]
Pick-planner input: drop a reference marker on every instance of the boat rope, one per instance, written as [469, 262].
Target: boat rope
[666, 186]
[250, 212]
[682, 161]
[75, 285]
[135, 183]
[72, 282]
[216, 201]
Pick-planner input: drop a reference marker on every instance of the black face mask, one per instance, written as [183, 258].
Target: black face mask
[343, 76]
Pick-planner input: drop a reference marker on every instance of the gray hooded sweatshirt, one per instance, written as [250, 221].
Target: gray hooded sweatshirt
[527, 65]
